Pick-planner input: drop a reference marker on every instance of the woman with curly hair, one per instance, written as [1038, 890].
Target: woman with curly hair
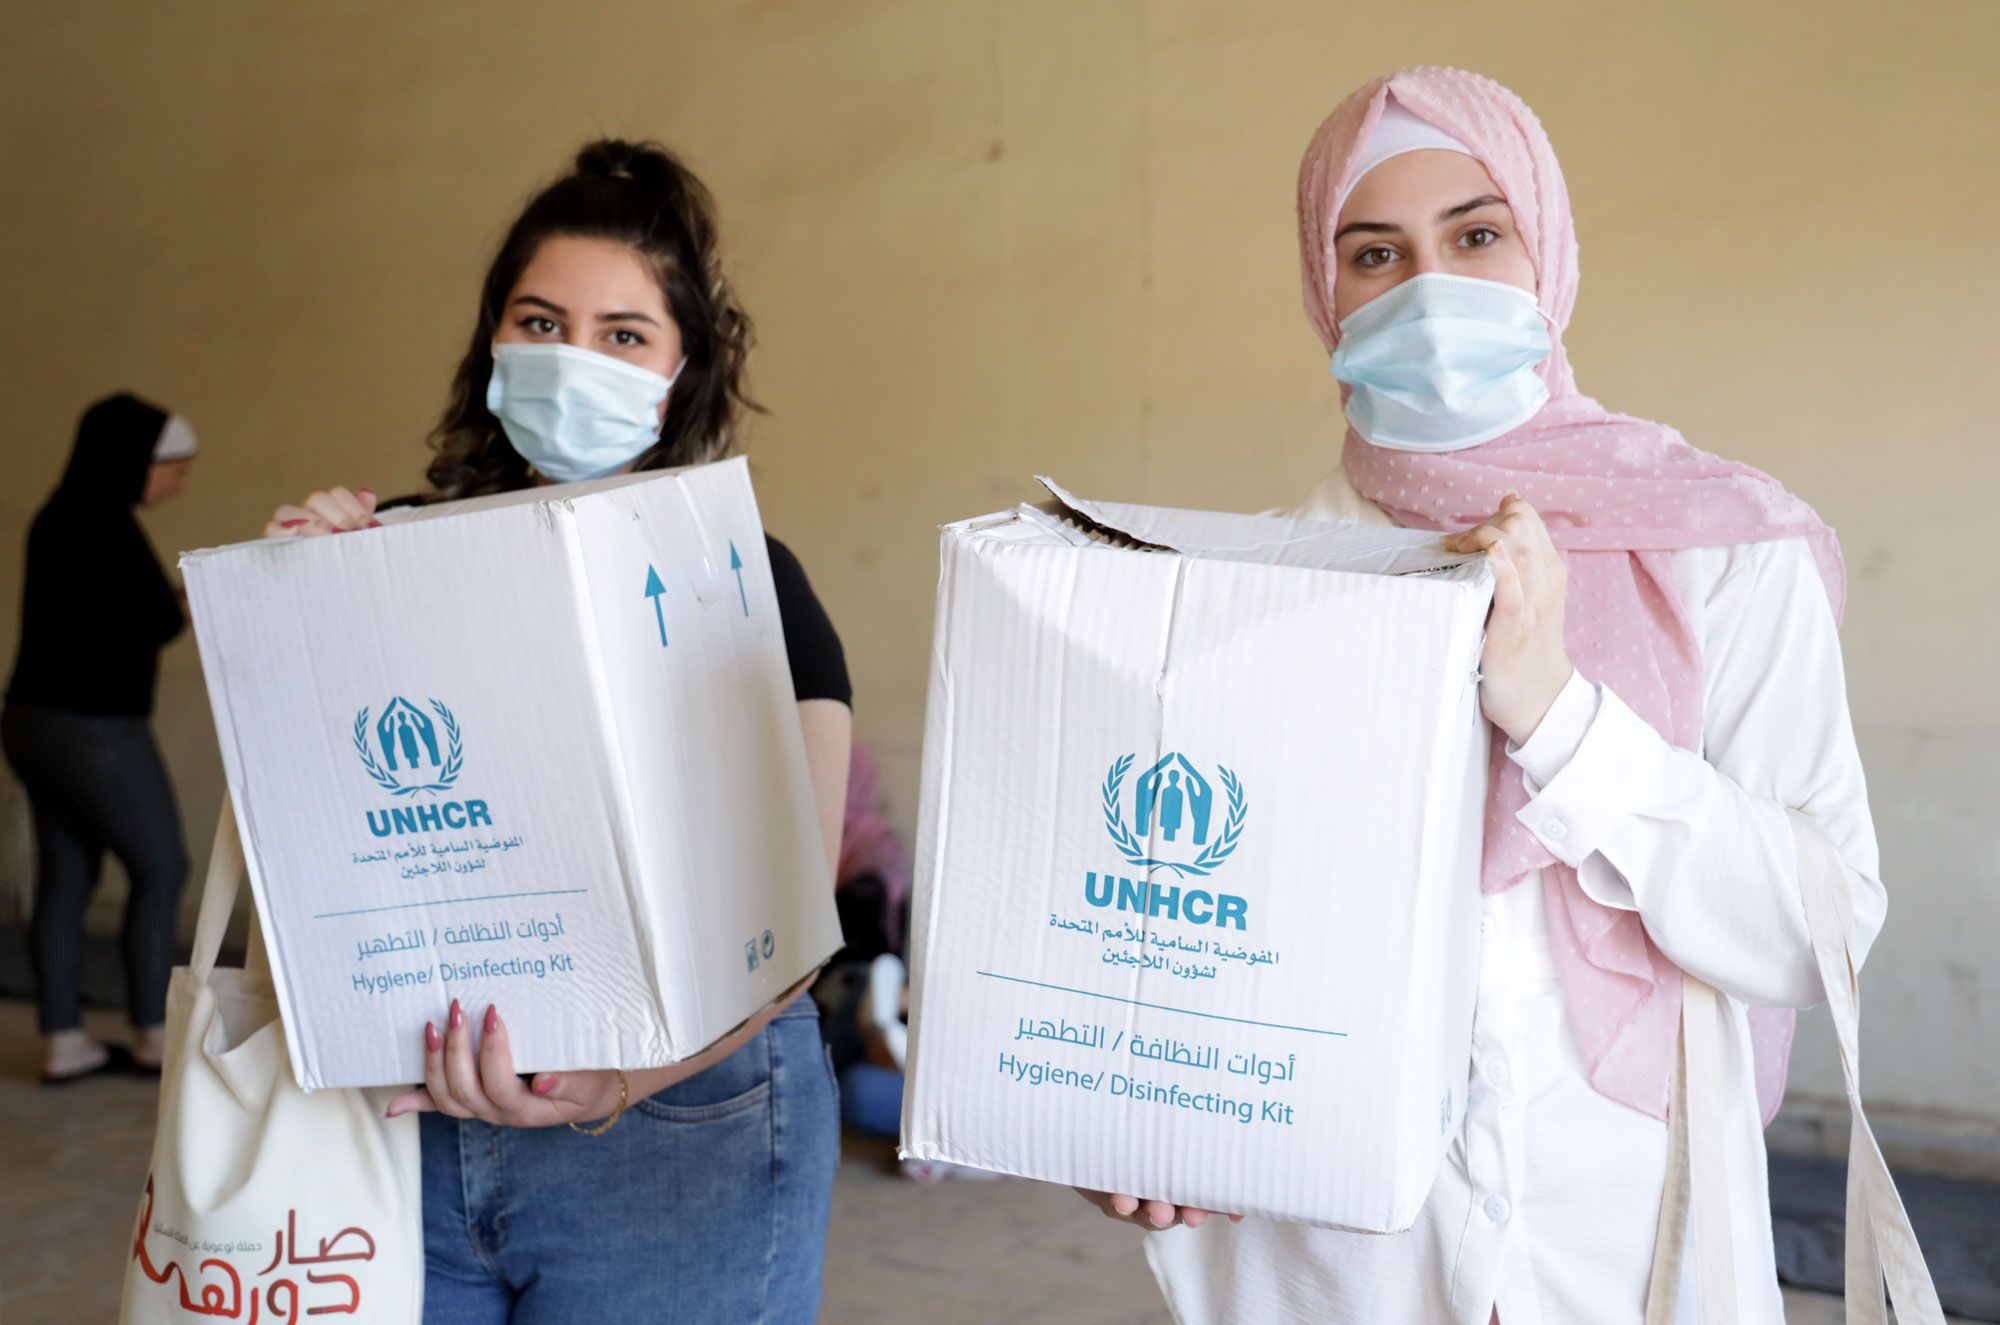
[607, 341]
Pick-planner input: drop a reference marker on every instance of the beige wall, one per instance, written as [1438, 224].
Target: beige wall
[989, 240]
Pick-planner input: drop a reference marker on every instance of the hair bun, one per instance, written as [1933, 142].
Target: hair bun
[616, 158]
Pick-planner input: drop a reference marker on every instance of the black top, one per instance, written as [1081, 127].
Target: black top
[819, 664]
[97, 607]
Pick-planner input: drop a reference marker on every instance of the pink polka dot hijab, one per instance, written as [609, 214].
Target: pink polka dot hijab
[1620, 496]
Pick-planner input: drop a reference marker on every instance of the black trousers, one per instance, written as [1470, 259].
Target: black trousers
[96, 783]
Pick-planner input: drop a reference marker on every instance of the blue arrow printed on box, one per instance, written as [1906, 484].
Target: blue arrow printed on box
[653, 591]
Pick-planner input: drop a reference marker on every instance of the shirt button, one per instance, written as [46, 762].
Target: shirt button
[1555, 830]
[1485, 927]
[1497, 1209]
[1496, 1072]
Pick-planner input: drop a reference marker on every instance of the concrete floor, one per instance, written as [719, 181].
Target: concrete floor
[959, 1253]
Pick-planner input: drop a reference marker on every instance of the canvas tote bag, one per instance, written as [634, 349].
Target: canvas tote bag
[1880, 1241]
[264, 1203]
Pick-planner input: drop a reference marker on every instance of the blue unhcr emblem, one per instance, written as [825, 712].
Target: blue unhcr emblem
[412, 760]
[1173, 796]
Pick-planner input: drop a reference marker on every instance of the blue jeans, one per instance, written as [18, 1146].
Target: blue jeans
[707, 1202]
[871, 1099]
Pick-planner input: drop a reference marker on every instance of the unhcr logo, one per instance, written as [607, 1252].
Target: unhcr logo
[1173, 804]
[1175, 798]
[412, 758]
[408, 751]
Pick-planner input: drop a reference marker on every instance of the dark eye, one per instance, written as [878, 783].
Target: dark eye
[626, 338]
[1375, 255]
[538, 326]
[1480, 237]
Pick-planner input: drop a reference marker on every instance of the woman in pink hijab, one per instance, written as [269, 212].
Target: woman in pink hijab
[1663, 674]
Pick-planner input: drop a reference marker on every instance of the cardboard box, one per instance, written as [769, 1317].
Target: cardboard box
[1197, 901]
[539, 750]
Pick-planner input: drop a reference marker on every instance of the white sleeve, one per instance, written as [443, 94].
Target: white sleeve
[1701, 846]
[1556, 739]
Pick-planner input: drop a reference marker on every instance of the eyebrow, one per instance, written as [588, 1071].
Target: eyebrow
[1389, 228]
[624, 315]
[1483, 200]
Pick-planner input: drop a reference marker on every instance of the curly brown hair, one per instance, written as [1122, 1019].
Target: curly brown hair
[641, 195]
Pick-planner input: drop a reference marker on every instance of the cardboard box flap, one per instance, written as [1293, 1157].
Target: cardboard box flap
[1263, 539]
[1066, 524]
[547, 495]
[707, 575]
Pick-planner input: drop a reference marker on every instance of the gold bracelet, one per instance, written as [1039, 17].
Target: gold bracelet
[624, 1097]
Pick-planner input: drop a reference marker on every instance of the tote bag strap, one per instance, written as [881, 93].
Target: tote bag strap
[218, 894]
[218, 902]
[1696, 1196]
[1880, 1240]
[1663, 1286]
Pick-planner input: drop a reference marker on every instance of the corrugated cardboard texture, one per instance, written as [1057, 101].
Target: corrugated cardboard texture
[1271, 1019]
[538, 751]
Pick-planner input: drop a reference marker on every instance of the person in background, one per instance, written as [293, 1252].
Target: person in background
[872, 881]
[95, 612]
[862, 993]
[608, 340]
[1662, 670]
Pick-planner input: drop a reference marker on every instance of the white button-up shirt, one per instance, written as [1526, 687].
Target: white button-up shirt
[1548, 1201]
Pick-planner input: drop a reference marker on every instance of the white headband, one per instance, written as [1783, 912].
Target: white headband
[176, 441]
[1397, 132]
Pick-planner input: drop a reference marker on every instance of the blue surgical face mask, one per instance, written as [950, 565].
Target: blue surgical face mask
[1443, 362]
[575, 414]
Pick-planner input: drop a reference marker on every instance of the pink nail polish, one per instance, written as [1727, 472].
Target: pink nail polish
[457, 1015]
[492, 1022]
[545, 1085]
[432, 1041]
[290, 524]
[374, 524]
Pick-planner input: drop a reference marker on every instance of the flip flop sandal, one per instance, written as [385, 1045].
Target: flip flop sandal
[117, 1059]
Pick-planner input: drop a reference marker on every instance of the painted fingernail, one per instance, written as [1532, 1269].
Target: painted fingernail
[366, 492]
[457, 1015]
[290, 524]
[492, 1022]
[545, 1085]
[432, 1041]
[374, 524]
